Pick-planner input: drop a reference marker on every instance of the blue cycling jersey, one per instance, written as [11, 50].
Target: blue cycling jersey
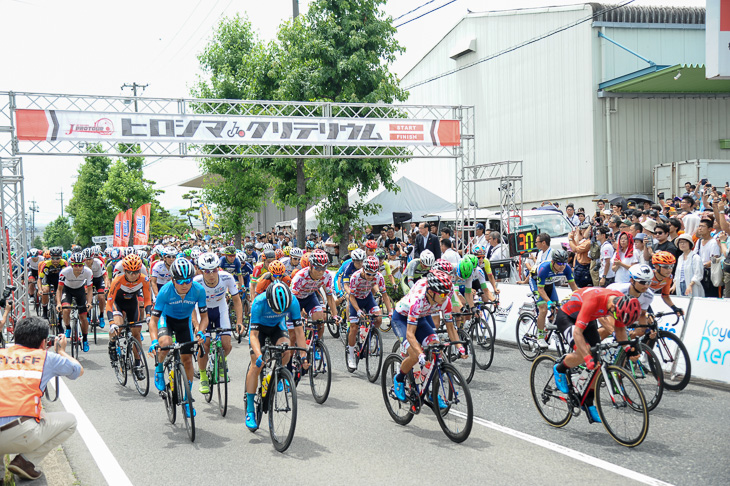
[171, 304]
[246, 271]
[545, 274]
[339, 274]
[232, 268]
[262, 314]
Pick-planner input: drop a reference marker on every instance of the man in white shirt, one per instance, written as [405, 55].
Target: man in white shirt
[707, 248]
[542, 242]
[496, 250]
[605, 273]
[480, 239]
[448, 253]
[570, 214]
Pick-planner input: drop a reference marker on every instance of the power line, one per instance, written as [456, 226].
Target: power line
[423, 15]
[169, 43]
[518, 46]
[420, 6]
[196, 30]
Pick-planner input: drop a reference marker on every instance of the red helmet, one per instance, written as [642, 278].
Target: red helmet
[318, 258]
[279, 253]
[443, 265]
[663, 258]
[304, 262]
[132, 263]
[439, 282]
[371, 264]
[371, 244]
[628, 309]
[276, 268]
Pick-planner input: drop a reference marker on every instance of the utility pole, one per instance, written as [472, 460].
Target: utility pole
[295, 7]
[61, 199]
[34, 209]
[301, 181]
[134, 87]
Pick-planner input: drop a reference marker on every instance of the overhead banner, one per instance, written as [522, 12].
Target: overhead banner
[717, 39]
[103, 240]
[118, 230]
[78, 126]
[126, 226]
[142, 224]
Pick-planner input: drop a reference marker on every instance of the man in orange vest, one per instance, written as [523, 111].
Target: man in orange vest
[25, 370]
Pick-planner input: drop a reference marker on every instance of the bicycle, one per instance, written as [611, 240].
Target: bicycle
[466, 365]
[128, 350]
[526, 329]
[438, 385]
[245, 319]
[368, 346]
[481, 335]
[177, 387]
[670, 351]
[75, 327]
[488, 308]
[618, 397]
[320, 376]
[276, 396]
[647, 372]
[218, 371]
[94, 315]
[384, 326]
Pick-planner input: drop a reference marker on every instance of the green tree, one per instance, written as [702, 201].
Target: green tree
[58, 233]
[37, 242]
[341, 51]
[191, 212]
[91, 213]
[163, 223]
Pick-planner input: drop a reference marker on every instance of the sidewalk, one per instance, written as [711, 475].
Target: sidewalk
[56, 472]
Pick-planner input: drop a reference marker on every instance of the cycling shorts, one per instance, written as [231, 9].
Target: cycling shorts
[549, 290]
[274, 333]
[32, 274]
[566, 326]
[311, 304]
[367, 304]
[126, 306]
[182, 329]
[425, 329]
[99, 284]
[218, 319]
[51, 279]
[69, 295]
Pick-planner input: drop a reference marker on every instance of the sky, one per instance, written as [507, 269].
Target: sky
[94, 47]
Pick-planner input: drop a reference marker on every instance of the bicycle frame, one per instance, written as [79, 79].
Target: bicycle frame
[434, 353]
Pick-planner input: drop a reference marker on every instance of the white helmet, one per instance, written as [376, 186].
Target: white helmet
[208, 261]
[358, 255]
[268, 246]
[427, 258]
[641, 272]
[171, 251]
[296, 252]
[158, 249]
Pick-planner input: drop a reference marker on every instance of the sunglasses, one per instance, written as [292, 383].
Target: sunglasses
[210, 271]
[77, 264]
[183, 281]
[641, 282]
[55, 259]
[136, 272]
[170, 257]
[372, 274]
[317, 267]
[659, 232]
[665, 266]
[439, 295]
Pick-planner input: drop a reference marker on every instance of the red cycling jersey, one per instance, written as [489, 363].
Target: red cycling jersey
[588, 304]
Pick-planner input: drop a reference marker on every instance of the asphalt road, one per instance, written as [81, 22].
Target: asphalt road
[351, 436]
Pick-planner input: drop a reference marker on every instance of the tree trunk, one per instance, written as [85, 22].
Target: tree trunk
[344, 230]
[239, 237]
[302, 206]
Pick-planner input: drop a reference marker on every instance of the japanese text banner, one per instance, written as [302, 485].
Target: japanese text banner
[142, 224]
[54, 125]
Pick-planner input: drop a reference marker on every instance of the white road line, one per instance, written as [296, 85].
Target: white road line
[577, 455]
[108, 465]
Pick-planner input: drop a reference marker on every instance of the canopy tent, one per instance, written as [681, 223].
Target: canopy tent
[411, 198]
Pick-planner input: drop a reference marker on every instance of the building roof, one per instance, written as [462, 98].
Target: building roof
[649, 15]
[680, 78]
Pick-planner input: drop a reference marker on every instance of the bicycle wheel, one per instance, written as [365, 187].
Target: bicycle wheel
[320, 378]
[674, 358]
[185, 398]
[2, 339]
[647, 372]
[141, 384]
[221, 379]
[526, 331]
[482, 343]
[452, 403]
[385, 327]
[488, 316]
[467, 365]
[374, 355]
[622, 407]
[550, 402]
[344, 326]
[210, 369]
[120, 365]
[282, 398]
[52, 396]
[93, 318]
[399, 411]
[170, 398]
[333, 328]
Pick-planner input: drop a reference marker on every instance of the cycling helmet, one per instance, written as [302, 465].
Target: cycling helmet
[287, 250]
[142, 254]
[33, 252]
[439, 282]
[371, 244]
[46, 255]
[358, 255]
[241, 256]
[310, 244]
[427, 258]
[304, 261]
[75, 249]
[641, 272]
[66, 255]
[628, 309]
[132, 263]
[279, 253]
[195, 254]
[158, 249]
[318, 258]
[473, 259]
[278, 296]
[560, 256]
[170, 251]
[371, 264]
[268, 246]
[248, 246]
[188, 252]
[229, 250]
[182, 269]
[208, 261]
[442, 265]
[352, 246]
[663, 258]
[115, 254]
[277, 269]
[464, 269]
[87, 254]
[129, 251]
[480, 250]
[296, 253]
[380, 254]
[270, 254]
[96, 250]
[76, 258]
[56, 251]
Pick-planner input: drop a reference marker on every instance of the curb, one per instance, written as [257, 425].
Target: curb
[55, 467]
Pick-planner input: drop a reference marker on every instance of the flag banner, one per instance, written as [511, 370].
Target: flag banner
[118, 230]
[126, 226]
[142, 224]
[55, 125]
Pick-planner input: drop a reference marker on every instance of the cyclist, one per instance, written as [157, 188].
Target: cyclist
[348, 267]
[276, 272]
[542, 285]
[217, 283]
[97, 253]
[577, 321]
[640, 278]
[269, 313]
[74, 283]
[176, 301]
[364, 284]
[308, 281]
[230, 264]
[663, 263]
[293, 261]
[252, 255]
[97, 282]
[48, 271]
[484, 268]
[194, 257]
[115, 256]
[161, 270]
[384, 267]
[122, 302]
[370, 247]
[412, 321]
[35, 257]
[267, 256]
[417, 269]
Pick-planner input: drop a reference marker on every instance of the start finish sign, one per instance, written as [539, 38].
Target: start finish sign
[76, 126]
[523, 241]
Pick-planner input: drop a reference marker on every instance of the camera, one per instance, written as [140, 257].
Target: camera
[51, 341]
[660, 195]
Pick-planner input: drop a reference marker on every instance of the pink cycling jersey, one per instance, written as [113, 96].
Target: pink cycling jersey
[360, 288]
[415, 305]
[303, 285]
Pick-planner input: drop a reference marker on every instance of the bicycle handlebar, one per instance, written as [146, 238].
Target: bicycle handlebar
[614, 344]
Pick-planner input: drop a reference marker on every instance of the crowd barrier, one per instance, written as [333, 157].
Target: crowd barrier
[704, 331]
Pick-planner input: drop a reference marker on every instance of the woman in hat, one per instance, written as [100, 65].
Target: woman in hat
[689, 269]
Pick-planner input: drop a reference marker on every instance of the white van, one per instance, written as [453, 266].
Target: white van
[547, 221]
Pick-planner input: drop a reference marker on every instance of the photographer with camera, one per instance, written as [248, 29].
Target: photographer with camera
[25, 370]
